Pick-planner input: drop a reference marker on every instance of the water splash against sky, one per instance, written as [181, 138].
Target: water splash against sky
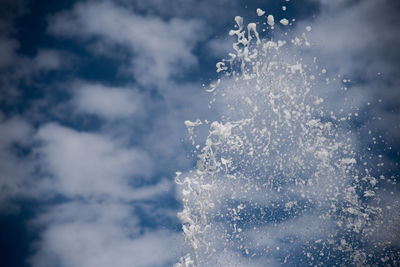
[93, 99]
[281, 178]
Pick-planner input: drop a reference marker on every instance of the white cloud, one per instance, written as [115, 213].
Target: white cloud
[219, 47]
[359, 40]
[162, 49]
[99, 226]
[14, 130]
[86, 164]
[108, 102]
[103, 234]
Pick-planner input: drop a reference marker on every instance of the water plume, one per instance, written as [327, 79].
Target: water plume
[279, 178]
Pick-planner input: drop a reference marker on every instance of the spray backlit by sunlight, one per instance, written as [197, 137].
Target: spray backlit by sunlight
[278, 179]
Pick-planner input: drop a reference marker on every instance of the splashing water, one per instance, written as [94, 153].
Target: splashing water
[278, 179]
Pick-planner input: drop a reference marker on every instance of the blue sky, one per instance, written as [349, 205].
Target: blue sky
[93, 99]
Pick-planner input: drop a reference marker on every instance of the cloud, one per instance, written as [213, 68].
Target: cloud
[108, 102]
[161, 49]
[359, 41]
[87, 164]
[7, 48]
[107, 178]
[99, 223]
[219, 47]
[101, 234]
[19, 70]
[15, 167]
[48, 60]
[207, 9]
[346, 32]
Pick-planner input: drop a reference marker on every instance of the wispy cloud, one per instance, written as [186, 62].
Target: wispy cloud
[86, 165]
[14, 177]
[101, 234]
[161, 48]
[108, 102]
[358, 40]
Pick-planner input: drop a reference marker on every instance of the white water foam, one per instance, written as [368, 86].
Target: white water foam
[278, 179]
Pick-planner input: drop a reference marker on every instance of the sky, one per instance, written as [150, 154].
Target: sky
[93, 99]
